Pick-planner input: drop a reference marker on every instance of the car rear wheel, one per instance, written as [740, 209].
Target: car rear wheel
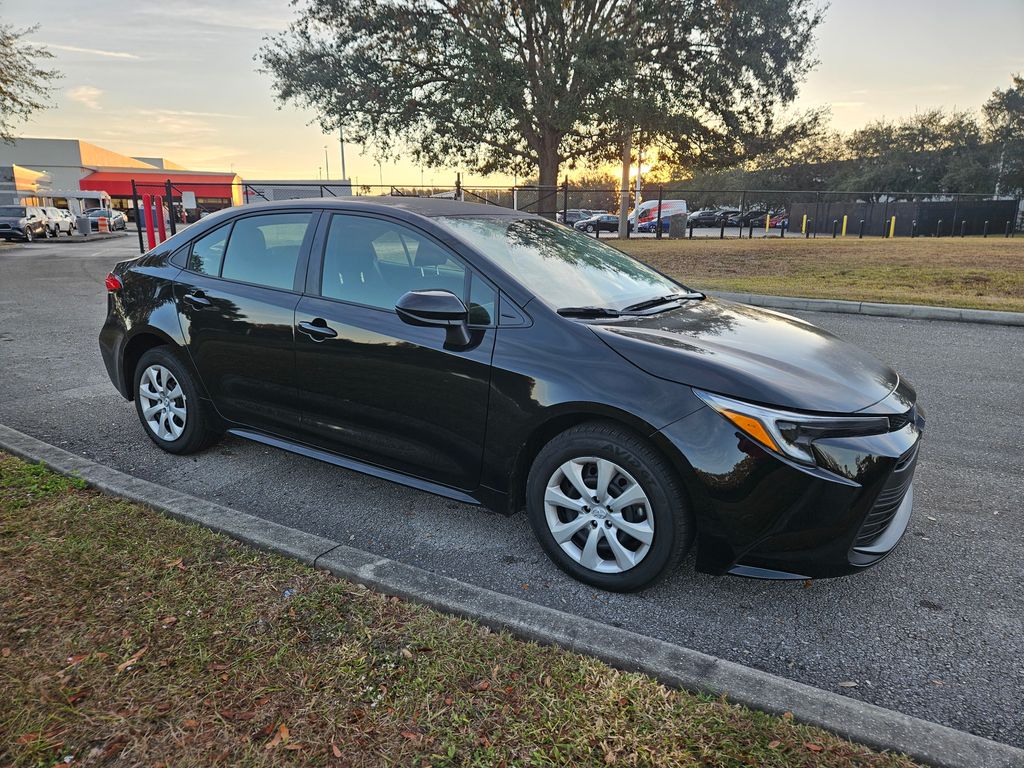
[608, 508]
[168, 404]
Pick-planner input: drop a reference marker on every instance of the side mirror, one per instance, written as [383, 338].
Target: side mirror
[436, 308]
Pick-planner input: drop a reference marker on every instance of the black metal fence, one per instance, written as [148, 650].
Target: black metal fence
[720, 213]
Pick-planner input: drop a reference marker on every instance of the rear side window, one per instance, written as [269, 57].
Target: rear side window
[265, 249]
[208, 251]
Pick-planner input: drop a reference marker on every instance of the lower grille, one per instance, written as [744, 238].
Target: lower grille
[888, 501]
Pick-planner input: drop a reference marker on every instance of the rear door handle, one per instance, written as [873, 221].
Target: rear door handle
[317, 329]
[197, 298]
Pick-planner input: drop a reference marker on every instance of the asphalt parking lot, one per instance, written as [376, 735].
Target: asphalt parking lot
[936, 631]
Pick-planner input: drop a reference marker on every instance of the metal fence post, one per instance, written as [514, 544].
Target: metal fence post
[807, 229]
[138, 221]
[170, 207]
[913, 228]
[860, 235]
[938, 228]
[691, 229]
[956, 208]
[963, 227]
[835, 228]
[661, 194]
[721, 232]
[984, 229]
[458, 186]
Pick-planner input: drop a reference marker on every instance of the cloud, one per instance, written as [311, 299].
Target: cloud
[92, 51]
[86, 95]
[184, 113]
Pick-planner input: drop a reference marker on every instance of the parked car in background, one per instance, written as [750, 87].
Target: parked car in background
[493, 357]
[605, 222]
[115, 219]
[711, 217]
[651, 225]
[779, 220]
[575, 214]
[23, 222]
[754, 216]
[647, 211]
[58, 222]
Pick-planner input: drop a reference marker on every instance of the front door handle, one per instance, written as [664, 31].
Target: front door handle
[317, 329]
[197, 298]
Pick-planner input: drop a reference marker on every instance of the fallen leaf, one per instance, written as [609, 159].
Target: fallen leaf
[775, 744]
[406, 653]
[293, 746]
[261, 701]
[848, 684]
[807, 583]
[5, 652]
[814, 747]
[448, 700]
[483, 685]
[787, 715]
[169, 621]
[26, 738]
[190, 723]
[609, 758]
[78, 658]
[217, 667]
[281, 735]
[411, 735]
[334, 750]
[132, 659]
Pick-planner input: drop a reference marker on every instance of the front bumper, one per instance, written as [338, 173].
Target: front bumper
[763, 516]
[11, 233]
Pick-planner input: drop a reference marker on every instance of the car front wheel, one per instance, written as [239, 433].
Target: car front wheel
[168, 404]
[607, 508]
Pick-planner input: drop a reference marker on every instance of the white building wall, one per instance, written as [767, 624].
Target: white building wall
[61, 158]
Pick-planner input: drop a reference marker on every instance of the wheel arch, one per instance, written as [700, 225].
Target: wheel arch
[569, 416]
[139, 344]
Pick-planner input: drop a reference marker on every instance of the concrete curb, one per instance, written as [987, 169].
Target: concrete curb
[674, 665]
[907, 311]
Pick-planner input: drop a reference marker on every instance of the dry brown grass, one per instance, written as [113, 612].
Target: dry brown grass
[129, 639]
[956, 272]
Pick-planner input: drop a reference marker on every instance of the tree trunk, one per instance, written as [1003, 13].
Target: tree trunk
[548, 193]
[627, 153]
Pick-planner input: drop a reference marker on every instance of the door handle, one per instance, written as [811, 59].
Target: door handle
[317, 329]
[197, 298]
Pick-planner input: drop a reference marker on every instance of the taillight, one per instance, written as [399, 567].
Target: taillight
[112, 283]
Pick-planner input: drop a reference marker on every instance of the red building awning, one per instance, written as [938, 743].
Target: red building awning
[119, 183]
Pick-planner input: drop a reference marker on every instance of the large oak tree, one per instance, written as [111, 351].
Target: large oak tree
[532, 86]
[24, 82]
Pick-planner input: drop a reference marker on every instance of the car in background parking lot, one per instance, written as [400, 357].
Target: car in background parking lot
[754, 216]
[22, 222]
[115, 219]
[573, 215]
[711, 217]
[604, 222]
[59, 221]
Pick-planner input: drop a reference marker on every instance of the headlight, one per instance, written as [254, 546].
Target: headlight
[789, 433]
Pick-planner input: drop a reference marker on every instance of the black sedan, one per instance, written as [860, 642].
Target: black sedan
[500, 359]
[603, 222]
[710, 217]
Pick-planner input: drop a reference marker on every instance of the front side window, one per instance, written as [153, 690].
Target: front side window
[374, 261]
[561, 266]
[265, 249]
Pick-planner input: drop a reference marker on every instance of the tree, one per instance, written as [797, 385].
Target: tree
[524, 86]
[1004, 123]
[24, 83]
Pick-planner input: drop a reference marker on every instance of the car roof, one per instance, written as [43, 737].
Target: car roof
[430, 207]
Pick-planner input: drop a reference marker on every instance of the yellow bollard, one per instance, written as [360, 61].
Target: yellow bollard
[892, 227]
[767, 221]
[844, 225]
[803, 226]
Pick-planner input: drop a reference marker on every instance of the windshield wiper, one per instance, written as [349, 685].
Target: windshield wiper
[587, 312]
[641, 305]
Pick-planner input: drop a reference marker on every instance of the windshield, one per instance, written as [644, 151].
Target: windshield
[12, 210]
[561, 266]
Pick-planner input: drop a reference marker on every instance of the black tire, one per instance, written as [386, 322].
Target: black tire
[672, 519]
[28, 235]
[202, 426]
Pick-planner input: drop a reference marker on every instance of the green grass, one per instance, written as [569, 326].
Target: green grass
[128, 638]
[953, 272]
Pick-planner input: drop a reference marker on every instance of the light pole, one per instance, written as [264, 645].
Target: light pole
[327, 163]
[341, 139]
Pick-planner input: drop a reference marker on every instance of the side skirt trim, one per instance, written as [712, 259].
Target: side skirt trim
[356, 466]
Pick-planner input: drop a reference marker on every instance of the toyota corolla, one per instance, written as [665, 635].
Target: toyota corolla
[502, 360]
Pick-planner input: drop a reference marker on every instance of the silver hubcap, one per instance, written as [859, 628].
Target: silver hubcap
[163, 403]
[599, 515]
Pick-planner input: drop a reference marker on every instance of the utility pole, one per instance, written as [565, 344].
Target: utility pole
[327, 163]
[341, 139]
[627, 153]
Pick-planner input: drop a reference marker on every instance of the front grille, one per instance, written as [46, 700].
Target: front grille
[5, 226]
[888, 501]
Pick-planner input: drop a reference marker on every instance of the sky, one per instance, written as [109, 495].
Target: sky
[177, 79]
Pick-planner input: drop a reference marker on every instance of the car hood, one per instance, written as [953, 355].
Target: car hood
[751, 354]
